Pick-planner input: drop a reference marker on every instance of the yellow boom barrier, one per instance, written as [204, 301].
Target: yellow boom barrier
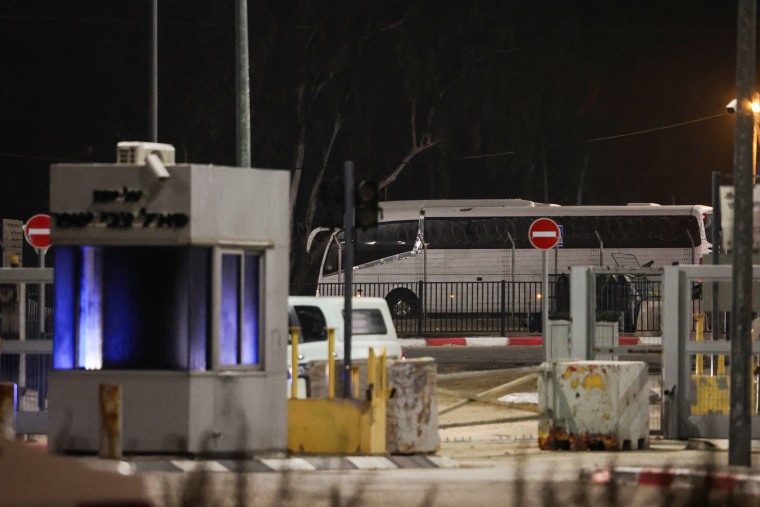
[341, 425]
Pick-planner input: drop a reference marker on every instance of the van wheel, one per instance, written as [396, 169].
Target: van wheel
[403, 304]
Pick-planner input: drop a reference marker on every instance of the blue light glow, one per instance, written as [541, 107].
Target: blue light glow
[199, 275]
[121, 297]
[90, 352]
[229, 324]
[63, 330]
[250, 330]
[240, 304]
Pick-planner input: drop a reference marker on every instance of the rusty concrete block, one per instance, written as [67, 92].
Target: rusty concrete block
[412, 426]
[593, 405]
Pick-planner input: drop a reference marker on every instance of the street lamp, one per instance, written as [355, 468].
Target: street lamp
[755, 106]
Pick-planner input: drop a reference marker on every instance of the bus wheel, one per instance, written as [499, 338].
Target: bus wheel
[403, 304]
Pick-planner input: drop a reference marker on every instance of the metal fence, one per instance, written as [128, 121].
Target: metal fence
[500, 308]
[26, 346]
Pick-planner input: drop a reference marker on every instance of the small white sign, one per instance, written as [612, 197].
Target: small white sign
[13, 242]
[727, 217]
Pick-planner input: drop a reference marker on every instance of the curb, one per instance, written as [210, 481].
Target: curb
[305, 463]
[678, 478]
[483, 341]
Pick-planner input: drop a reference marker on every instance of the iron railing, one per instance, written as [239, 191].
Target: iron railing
[26, 347]
[503, 307]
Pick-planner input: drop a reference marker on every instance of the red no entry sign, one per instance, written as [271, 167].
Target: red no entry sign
[37, 231]
[544, 233]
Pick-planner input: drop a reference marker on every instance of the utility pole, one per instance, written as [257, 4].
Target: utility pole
[154, 71]
[348, 290]
[740, 418]
[243, 100]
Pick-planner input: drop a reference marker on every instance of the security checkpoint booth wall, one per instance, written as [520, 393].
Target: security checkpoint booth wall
[206, 406]
[223, 204]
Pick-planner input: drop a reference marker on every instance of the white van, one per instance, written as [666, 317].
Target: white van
[372, 327]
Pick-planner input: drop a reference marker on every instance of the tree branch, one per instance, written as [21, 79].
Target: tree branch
[312, 202]
[416, 150]
[418, 146]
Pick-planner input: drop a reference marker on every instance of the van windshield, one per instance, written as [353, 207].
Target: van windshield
[369, 321]
[312, 322]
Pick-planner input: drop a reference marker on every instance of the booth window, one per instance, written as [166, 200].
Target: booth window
[132, 308]
[240, 311]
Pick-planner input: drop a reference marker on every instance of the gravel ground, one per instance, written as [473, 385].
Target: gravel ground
[485, 444]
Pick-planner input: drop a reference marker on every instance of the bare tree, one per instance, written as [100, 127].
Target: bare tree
[418, 145]
[312, 202]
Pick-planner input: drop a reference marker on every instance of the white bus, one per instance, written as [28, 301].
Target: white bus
[487, 240]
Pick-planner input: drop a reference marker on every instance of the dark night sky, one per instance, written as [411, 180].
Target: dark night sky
[74, 82]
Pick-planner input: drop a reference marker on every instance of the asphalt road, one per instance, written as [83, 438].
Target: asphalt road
[456, 358]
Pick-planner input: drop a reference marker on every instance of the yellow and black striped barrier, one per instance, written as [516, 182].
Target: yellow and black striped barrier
[711, 391]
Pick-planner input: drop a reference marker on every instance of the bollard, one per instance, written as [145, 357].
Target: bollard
[355, 382]
[699, 332]
[294, 361]
[109, 396]
[8, 410]
[331, 363]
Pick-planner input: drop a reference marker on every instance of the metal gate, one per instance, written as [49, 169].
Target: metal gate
[696, 369]
[599, 333]
[26, 301]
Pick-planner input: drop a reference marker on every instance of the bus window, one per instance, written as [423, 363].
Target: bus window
[385, 240]
[486, 232]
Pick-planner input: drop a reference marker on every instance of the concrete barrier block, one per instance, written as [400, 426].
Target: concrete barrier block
[593, 405]
[413, 410]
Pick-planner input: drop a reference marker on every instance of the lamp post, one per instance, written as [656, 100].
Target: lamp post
[745, 170]
[745, 147]
[755, 107]
[744, 180]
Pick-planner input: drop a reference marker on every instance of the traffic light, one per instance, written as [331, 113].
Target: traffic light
[366, 205]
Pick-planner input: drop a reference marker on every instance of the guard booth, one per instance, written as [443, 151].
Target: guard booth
[171, 281]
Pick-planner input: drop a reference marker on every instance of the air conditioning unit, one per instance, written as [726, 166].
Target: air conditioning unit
[135, 152]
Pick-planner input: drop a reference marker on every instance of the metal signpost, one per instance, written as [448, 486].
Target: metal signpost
[544, 234]
[348, 228]
[37, 234]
